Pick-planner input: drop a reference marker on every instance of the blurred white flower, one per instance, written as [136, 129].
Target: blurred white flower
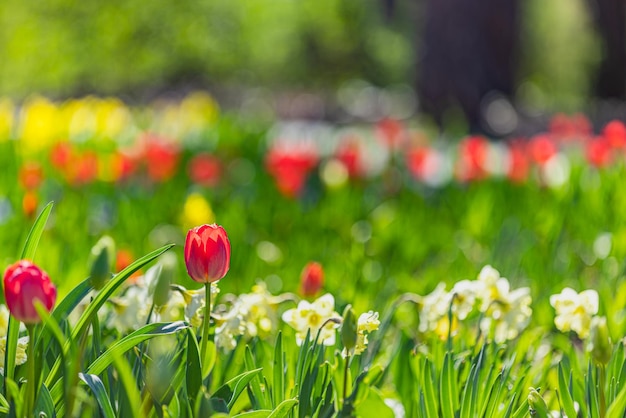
[575, 310]
[434, 312]
[366, 323]
[463, 298]
[252, 314]
[508, 315]
[314, 317]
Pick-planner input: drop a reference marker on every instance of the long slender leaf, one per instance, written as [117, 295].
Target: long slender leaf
[99, 391]
[283, 409]
[131, 340]
[566, 396]
[129, 384]
[279, 376]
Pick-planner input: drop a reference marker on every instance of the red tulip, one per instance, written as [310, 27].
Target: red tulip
[290, 168]
[519, 166]
[205, 170]
[207, 253]
[24, 283]
[311, 279]
[31, 175]
[472, 156]
[615, 133]
[599, 152]
[542, 148]
[350, 155]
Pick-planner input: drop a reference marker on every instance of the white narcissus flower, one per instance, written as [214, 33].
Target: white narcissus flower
[508, 316]
[490, 287]
[315, 317]
[463, 298]
[252, 314]
[434, 311]
[366, 323]
[575, 310]
[20, 354]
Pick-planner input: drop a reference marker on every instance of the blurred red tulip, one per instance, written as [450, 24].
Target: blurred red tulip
[123, 259]
[24, 283]
[563, 127]
[391, 132]
[207, 253]
[30, 175]
[541, 148]
[349, 153]
[122, 166]
[84, 168]
[599, 152]
[472, 156]
[30, 201]
[519, 166]
[290, 168]
[615, 133]
[311, 279]
[160, 155]
[61, 155]
[205, 170]
[416, 161]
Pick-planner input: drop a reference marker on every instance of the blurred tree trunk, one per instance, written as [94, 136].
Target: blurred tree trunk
[468, 49]
[610, 19]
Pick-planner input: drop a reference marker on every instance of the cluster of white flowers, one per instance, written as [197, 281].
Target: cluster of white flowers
[504, 312]
[318, 316]
[251, 315]
[575, 311]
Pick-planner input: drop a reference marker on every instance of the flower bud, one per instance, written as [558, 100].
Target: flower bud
[102, 256]
[349, 330]
[599, 342]
[164, 277]
[537, 404]
[311, 279]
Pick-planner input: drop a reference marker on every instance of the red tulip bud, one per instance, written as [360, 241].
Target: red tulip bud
[207, 253]
[24, 283]
[312, 279]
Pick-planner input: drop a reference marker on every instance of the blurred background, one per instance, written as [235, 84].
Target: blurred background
[455, 61]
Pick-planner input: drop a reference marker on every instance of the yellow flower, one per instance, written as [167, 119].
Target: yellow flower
[197, 211]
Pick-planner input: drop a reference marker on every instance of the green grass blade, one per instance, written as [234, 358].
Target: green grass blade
[428, 389]
[231, 390]
[127, 379]
[449, 397]
[566, 396]
[617, 408]
[32, 240]
[279, 373]
[193, 369]
[283, 409]
[131, 340]
[99, 391]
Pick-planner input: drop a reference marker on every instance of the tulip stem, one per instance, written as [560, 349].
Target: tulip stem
[345, 378]
[30, 383]
[206, 323]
